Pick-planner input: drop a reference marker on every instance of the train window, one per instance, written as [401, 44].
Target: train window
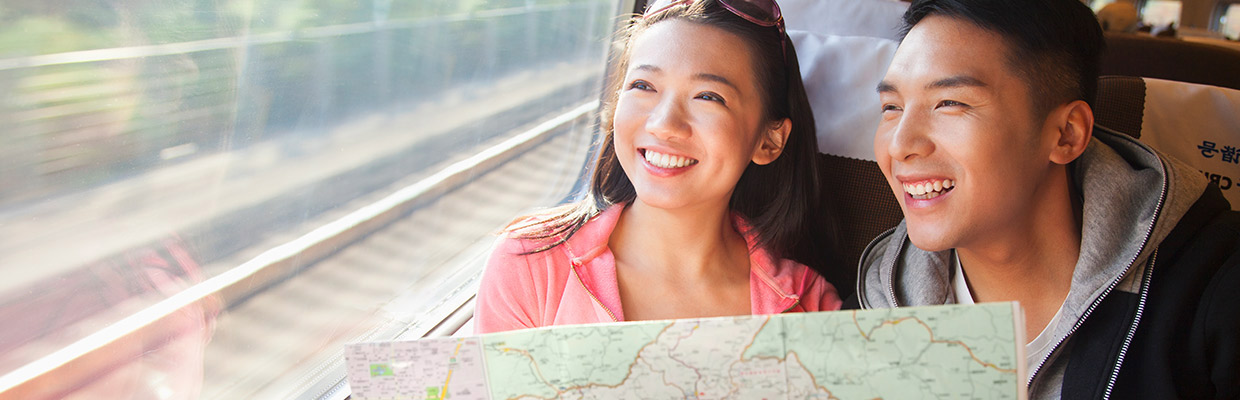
[1229, 20]
[207, 199]
[1161, 13]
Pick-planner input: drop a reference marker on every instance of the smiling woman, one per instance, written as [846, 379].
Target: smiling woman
[704, 196]
[669, 110]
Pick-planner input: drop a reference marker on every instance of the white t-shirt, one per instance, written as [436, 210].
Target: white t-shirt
[963, 296]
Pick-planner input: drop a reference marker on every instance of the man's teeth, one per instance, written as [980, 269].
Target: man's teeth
[668, 161]
[929, 189]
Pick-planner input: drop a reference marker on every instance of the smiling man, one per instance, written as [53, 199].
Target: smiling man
[1123, 259]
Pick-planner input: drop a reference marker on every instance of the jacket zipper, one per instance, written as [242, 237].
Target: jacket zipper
[891, 284]
[794, 304]
[861, 299]
[591, 293]
[796, 299]
[1145, 241]
[1136, 320]
[767, 280]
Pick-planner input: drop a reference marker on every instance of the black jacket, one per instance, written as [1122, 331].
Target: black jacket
[1187, 343]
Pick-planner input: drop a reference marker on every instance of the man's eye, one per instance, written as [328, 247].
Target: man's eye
[640, 85]
[709, 96]
[890, 107]
[952, 103]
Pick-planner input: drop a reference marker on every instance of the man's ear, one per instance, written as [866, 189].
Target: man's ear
[1074, 126]
[771, 143]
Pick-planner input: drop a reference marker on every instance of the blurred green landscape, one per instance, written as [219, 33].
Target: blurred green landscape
[105, 89]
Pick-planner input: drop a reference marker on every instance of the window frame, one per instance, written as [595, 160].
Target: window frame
[1216, 16]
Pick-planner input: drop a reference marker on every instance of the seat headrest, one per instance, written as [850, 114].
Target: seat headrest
[844, 47]
[1194, 123]
[841, 74]
[871, 18]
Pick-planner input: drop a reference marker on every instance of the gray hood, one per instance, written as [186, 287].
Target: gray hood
[1132, 197]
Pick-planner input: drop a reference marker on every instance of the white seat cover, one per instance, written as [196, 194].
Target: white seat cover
[1198, 124]
[844, 47]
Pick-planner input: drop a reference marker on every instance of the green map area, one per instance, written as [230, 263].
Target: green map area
[958, 352]
[533, 363]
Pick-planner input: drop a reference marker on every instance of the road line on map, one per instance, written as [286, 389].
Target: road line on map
[755, 337]
[626, 376]
[966, 347]
[932, 339]
[537, 369]
[444, 394]
[812, 378]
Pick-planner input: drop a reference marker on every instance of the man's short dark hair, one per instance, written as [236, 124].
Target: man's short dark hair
[1054, 45]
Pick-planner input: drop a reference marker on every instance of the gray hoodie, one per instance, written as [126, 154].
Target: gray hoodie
[1132, 197]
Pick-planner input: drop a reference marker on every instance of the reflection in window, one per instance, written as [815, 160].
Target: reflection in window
[1097, 5]
[1118, 17]
[154, 149]
[1229, 21]
[1161, 13]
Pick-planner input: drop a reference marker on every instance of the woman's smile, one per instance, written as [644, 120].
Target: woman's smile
[667, 161]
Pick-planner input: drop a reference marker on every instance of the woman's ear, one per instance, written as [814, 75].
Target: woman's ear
[772, 140]
[1074, 126]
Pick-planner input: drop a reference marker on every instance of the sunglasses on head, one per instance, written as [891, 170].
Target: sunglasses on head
[761, 12]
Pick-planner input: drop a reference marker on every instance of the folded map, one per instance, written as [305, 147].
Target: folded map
[952, 351]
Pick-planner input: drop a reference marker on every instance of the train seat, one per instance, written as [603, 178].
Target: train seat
[1197, 124]
[843, 47]
[1131, 54]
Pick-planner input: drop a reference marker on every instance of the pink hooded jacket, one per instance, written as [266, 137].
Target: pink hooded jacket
[575, 282]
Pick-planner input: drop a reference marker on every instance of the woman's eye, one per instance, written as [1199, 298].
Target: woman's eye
[708, 96]
[640, 85]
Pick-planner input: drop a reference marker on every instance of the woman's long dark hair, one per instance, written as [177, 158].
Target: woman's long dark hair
[781, 200]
